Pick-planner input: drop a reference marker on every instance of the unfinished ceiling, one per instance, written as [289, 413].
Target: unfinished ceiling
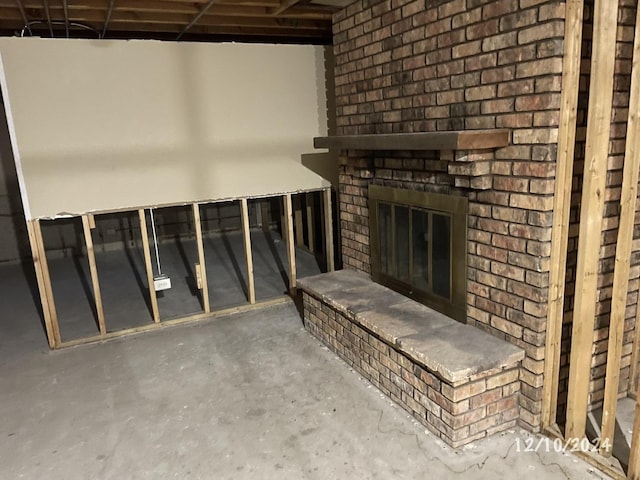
[300, 21]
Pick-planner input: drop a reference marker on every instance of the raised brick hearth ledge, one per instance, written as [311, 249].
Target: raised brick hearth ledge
[457, 380]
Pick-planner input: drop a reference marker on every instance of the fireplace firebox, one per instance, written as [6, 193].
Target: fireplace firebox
[418, 246]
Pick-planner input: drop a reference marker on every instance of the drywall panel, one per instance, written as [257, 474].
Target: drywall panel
[111, 125]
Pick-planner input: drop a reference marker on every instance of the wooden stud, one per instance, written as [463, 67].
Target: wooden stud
[44, 299]
[204, 285]
[299, 229]
[634, 453]
[176, 321]
[246, 233]
[310, 238]
[147, 264]
[592, 205]
[291, 248]
[46, 282]
[561, 205]
[97, 296]
[628, 196]
[92, 221]
[328, 230]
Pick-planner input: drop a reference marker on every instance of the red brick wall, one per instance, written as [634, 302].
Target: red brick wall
[427, 65]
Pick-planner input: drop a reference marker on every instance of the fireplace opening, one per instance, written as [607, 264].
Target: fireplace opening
[419, 245]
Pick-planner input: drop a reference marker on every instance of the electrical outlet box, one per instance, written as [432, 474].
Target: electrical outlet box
[161, 282]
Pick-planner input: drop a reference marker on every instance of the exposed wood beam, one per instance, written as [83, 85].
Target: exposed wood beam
[161, 25]
[202, 265]
[108, 18]
[93, 268]
[561, 206]
[192, 7]
[221, 30]
[24, 16]
[46, 283]
[147, 263]
[284, 299]
[285, 5]
[248, 254]
[168, 32]
[605, 14]
[628, 197]
[92, 10]
[291, 247]
[44, 298]
[196, 18]
[207, 20]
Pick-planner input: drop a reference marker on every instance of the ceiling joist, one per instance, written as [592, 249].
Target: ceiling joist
[286, 20]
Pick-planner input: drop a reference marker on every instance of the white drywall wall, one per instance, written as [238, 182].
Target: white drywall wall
[110, 125]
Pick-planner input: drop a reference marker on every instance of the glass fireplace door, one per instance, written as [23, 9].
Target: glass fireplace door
[419, 247]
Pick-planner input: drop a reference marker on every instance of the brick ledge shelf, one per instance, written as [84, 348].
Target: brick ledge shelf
[460, 382]
[461, 148]
[447, 140]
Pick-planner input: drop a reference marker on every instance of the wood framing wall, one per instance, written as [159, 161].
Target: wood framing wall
[292, 232]
[601, 296]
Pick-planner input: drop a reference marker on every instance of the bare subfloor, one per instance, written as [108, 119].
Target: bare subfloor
[244, 396]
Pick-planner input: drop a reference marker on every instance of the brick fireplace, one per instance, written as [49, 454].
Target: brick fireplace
[458, 66]
[427, 66]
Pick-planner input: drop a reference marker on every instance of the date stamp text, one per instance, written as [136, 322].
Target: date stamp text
[558, 445]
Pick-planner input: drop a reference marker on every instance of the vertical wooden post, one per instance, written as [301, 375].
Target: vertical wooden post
[97, 296]
[328, 229]
[299, 229]
[561, 206]
[291, 247]
[634, 452]
[310, 218]
[44, 297]
[628, 198]
[204, 285]
[47, 283]
[248, 255]
[147, 264]
[594, 183]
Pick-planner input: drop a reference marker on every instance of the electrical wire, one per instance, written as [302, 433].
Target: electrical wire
[27, 27]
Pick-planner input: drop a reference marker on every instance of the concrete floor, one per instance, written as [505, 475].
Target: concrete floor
[123, 281]
[244, 396]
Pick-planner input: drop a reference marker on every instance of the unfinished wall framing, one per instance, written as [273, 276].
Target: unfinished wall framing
[599, 291]
[127, 139]
[156, 316]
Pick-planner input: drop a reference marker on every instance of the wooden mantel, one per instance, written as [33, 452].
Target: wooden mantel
[446, 140]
